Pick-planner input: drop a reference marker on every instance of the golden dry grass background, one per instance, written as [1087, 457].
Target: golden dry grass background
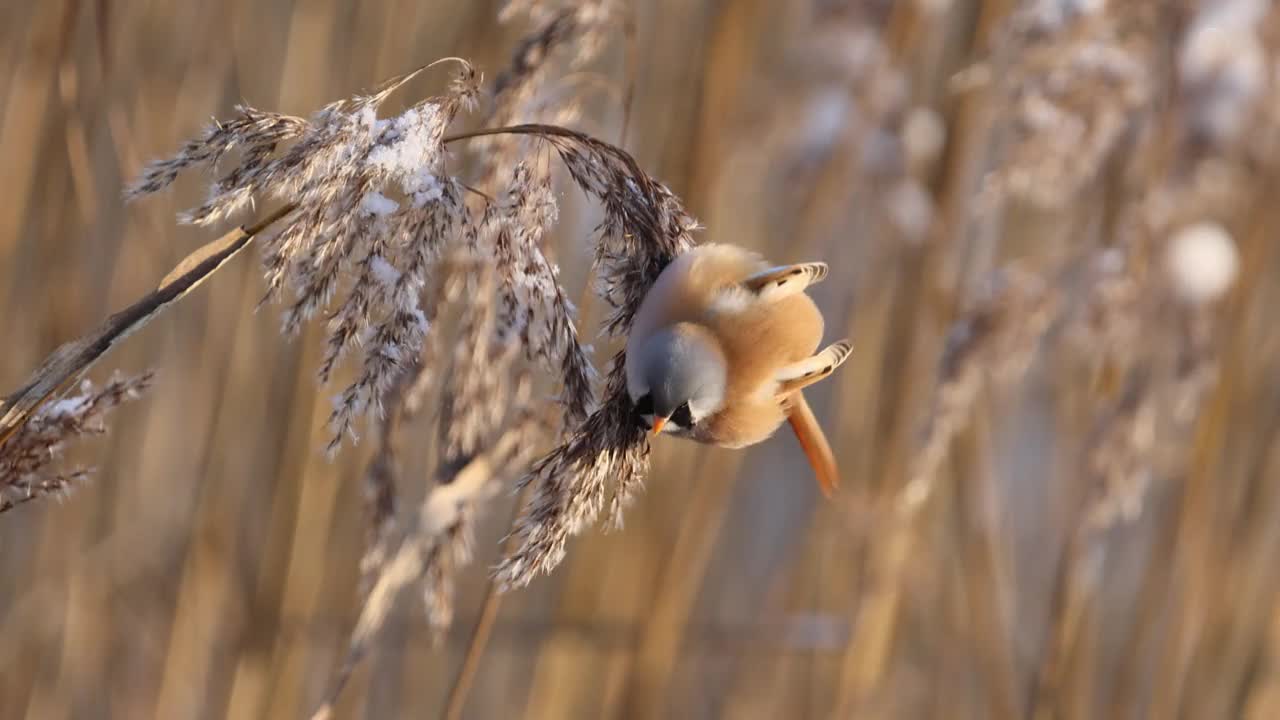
[209, 569]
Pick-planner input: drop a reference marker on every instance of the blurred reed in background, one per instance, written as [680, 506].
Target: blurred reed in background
[1049, 227]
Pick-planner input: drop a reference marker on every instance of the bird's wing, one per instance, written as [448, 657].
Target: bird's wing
[776, 283]
[796, 376]
[814, 443]
[768, 286]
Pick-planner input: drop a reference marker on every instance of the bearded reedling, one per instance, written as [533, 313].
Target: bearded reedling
[722, 346]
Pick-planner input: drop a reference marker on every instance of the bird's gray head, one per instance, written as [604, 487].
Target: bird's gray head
[676, 377]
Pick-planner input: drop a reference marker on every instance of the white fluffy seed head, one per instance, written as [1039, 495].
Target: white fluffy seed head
[1202, 262]
[910, 209]
[924, 134]
[1223, 61]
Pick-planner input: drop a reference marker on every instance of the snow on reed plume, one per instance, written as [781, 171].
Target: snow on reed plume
[382, 239]
[27, 457]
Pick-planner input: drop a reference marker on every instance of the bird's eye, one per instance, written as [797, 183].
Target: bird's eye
[643, 411]
[682, 417]
[644, 406]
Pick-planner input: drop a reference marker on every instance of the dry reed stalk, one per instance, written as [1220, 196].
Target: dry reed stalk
[478, 642]
[33, 412]
[73, 359]
[655, 656]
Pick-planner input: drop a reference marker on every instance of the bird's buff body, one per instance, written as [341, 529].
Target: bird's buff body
[721, 347]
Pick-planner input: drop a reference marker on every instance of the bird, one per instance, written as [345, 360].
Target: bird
[721, 347]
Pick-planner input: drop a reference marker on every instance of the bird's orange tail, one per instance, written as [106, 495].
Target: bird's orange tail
[814, 443]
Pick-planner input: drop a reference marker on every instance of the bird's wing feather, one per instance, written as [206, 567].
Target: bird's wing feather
[814, 443]
[776, 283]
[810, 370]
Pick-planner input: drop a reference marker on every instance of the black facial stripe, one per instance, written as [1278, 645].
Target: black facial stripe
[644, 406]
[682, 417]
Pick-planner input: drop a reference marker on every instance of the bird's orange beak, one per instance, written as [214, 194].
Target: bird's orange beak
[658, 422]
